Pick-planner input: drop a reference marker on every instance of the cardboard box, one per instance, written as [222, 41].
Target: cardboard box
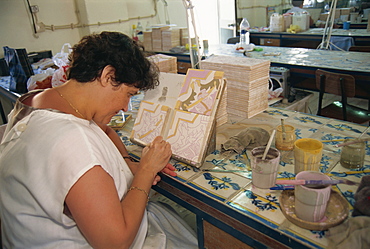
[323, 16]
[337, 14]
[345, 11]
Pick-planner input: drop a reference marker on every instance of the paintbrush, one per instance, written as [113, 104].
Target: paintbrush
[268, 145]
[226, 170]
[283, 129]
[353, 142]
[315, 182]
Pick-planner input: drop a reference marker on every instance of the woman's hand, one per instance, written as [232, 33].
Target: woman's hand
[168, 169]
[155, 156]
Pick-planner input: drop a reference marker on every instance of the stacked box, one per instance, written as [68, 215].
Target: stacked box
[170, 39]
[323, 16]
[165, 63]
[345, 11]
[247, 84]
[337, 14]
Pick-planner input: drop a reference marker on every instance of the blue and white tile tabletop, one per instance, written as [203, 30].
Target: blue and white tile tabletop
[235, 190]
[325, 59]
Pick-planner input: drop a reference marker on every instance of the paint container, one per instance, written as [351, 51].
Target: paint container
[311, 200]
[346, 25]
[285, 140]
[353, 155]
[307, 155]
[264, 172]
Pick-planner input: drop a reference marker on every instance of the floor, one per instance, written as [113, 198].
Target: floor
[329, 98]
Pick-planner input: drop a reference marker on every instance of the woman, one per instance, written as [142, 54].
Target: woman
[66, 178]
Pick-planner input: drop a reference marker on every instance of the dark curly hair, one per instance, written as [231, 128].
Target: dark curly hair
[96, 51]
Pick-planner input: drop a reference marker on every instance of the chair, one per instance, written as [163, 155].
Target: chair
[342, 85]
[360, 48]
[233, 40]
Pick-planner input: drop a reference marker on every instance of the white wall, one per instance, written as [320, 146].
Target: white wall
[16, 25]
[255, 10]
[16, 28]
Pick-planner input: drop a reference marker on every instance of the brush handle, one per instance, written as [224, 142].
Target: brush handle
[268, 145]
[308, 182]
[353, 142]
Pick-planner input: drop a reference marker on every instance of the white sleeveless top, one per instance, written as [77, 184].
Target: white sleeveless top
[41, 158]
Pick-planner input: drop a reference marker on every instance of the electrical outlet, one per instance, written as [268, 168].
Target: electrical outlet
[34, 8]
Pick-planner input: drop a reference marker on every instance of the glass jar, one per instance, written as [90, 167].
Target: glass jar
[353, 155]
[285, 140]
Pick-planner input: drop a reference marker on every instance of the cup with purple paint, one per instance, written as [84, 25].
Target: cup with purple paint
[264, 171]
[311, 200]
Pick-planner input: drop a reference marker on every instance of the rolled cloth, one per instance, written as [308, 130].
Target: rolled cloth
[246, 139]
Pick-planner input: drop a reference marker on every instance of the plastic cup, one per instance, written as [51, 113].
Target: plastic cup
[311, 200]
[264, 172]
[307, 155]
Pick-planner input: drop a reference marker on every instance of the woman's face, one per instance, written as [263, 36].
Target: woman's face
[117, 99]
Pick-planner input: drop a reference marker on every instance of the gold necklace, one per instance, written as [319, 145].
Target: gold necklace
[74, 108]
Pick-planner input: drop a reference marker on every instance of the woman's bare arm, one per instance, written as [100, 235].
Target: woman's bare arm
[105, 221]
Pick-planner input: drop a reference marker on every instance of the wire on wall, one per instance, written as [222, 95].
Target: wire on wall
[33, 17]
[40, 26]
[259, 6]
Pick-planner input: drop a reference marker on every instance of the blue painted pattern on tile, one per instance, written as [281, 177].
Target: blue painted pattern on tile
[180, 167]
[350, 196]
[269, 202]
[286, 175]
[319, 234]
[307, 120]
[343, 127]
[276, 112]
[324, 163]
[126, 141]
[222, 183]
[219, 163]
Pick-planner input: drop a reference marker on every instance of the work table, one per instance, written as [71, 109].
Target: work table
[230, 210]
[310, 38]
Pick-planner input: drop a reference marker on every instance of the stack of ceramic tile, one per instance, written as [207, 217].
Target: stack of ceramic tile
[170, 39]
[148, 41]
[165, 63]
[221, 114]
[184, 34]
[247, 83]
[157, 37]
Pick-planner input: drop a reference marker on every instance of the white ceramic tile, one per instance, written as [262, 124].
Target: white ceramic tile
[314, 239]
[184, 171]
[276, 113]
[342, 171]
[306, 131]
[259, 202]
[345, 128]
[309, 120]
